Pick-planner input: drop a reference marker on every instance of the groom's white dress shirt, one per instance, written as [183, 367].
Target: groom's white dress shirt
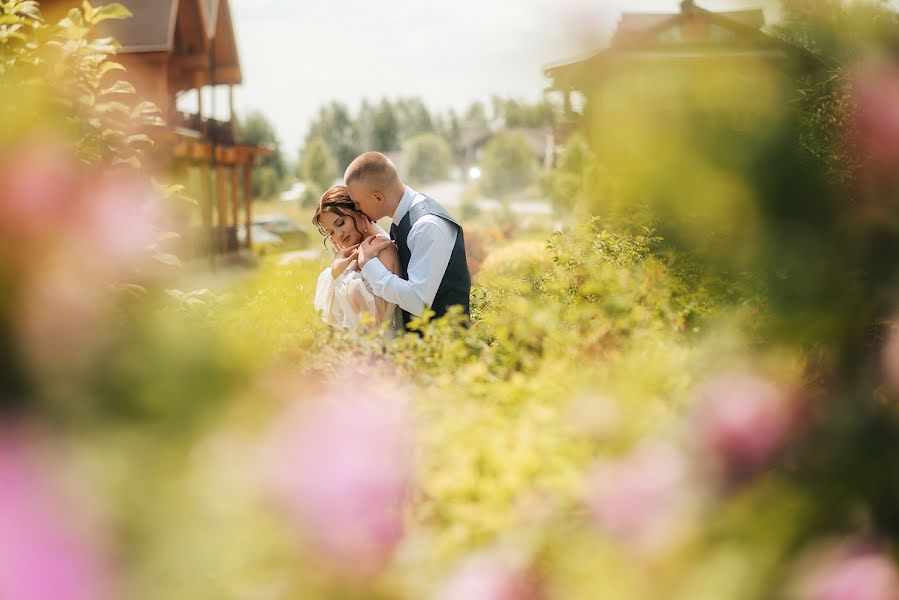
[431, 240]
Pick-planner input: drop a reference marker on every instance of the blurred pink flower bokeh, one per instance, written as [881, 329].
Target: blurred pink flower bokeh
[741, 421]
[639, 500]
[341, 467]
[490, 576]
[43, 555]
[847, 571]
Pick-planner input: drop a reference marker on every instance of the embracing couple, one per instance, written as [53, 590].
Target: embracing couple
[378, 281]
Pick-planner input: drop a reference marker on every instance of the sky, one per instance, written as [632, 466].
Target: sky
[297, 55]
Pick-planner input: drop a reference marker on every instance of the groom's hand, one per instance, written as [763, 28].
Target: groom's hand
[371, 247]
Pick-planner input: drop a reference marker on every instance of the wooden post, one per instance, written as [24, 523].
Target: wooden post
[248, 201]
[205, 205]
[235, 201]
[222, 206]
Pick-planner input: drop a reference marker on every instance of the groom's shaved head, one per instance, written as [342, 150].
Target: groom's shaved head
[376, 172]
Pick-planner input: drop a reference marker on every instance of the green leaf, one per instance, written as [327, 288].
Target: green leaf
[131, 162]
[110, 65]
[119, 87]
[113, 107]
[74, 17]
[112, 135]
[111, 11]
[88, 11]
[139, 138]
[167, 259]
[145, 108]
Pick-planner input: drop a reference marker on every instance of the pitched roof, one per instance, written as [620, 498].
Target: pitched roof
[152, 29]
[636, 23]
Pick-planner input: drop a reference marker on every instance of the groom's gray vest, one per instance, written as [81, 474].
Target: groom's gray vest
[455, 287]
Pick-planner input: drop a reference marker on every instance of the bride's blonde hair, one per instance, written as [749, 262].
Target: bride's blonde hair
[336, 200]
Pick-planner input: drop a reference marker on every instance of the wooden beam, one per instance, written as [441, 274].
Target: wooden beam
[248, 203]
[231, 103]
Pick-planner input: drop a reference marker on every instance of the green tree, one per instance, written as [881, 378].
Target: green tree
[564, 185]
[428, 158]
[334, 124]
[475, 117]
[256, 129]
[317, 164]
[385, 128]
[414, 118]
[508, 164]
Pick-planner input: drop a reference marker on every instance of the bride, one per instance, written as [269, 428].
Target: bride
[342, 296]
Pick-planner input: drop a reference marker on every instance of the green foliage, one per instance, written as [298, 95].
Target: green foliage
[511, 113]
[266, 182]
[312, 193]
[427, 158]
[256, 129]
[335, 125]
[508, 164]
[564, 185]
[317, 164]
[63, 70]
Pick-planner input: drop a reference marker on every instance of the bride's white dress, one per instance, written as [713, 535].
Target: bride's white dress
[348, 302]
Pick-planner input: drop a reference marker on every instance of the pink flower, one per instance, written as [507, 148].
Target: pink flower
[843, 573]
[889, 357]
[61, 315]
[741, 421]
[118, 222]
[639, 500]
[41, 555]
[875, 89]
[38, 192]
[342, 469]
[490, 576]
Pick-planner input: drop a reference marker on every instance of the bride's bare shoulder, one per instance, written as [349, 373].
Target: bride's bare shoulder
[390, 256]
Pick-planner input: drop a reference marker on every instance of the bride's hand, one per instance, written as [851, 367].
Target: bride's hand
[343, 259]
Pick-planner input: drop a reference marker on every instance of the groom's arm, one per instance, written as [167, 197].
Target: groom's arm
[430, 243]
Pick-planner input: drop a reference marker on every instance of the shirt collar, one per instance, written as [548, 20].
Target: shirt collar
[405, 204]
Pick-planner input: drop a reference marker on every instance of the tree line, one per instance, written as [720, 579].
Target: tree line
[431, 140]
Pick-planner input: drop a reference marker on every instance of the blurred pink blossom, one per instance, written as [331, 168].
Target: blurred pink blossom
[41, 555]
[490, 576]
[889, 357]
[117, 224]
[38, 192]
[61, 315]
[341, 466]
[843, 573]
[741, 421]
[639, 499]
[875, 88]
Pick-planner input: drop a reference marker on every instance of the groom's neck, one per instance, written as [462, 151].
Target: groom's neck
[392, 202]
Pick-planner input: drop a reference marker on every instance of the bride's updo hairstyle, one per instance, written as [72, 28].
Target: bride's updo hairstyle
[337, 200]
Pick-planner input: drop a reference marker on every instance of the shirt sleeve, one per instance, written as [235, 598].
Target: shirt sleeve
[431, 242]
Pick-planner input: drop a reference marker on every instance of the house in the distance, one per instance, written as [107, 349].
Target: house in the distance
[171, 47]
[653, 58]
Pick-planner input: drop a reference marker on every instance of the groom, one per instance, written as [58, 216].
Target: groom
[430, 242]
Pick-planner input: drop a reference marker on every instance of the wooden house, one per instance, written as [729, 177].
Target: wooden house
[655, 58]
[171, 47]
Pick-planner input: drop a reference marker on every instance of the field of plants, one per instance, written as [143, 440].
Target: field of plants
[686, 392]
